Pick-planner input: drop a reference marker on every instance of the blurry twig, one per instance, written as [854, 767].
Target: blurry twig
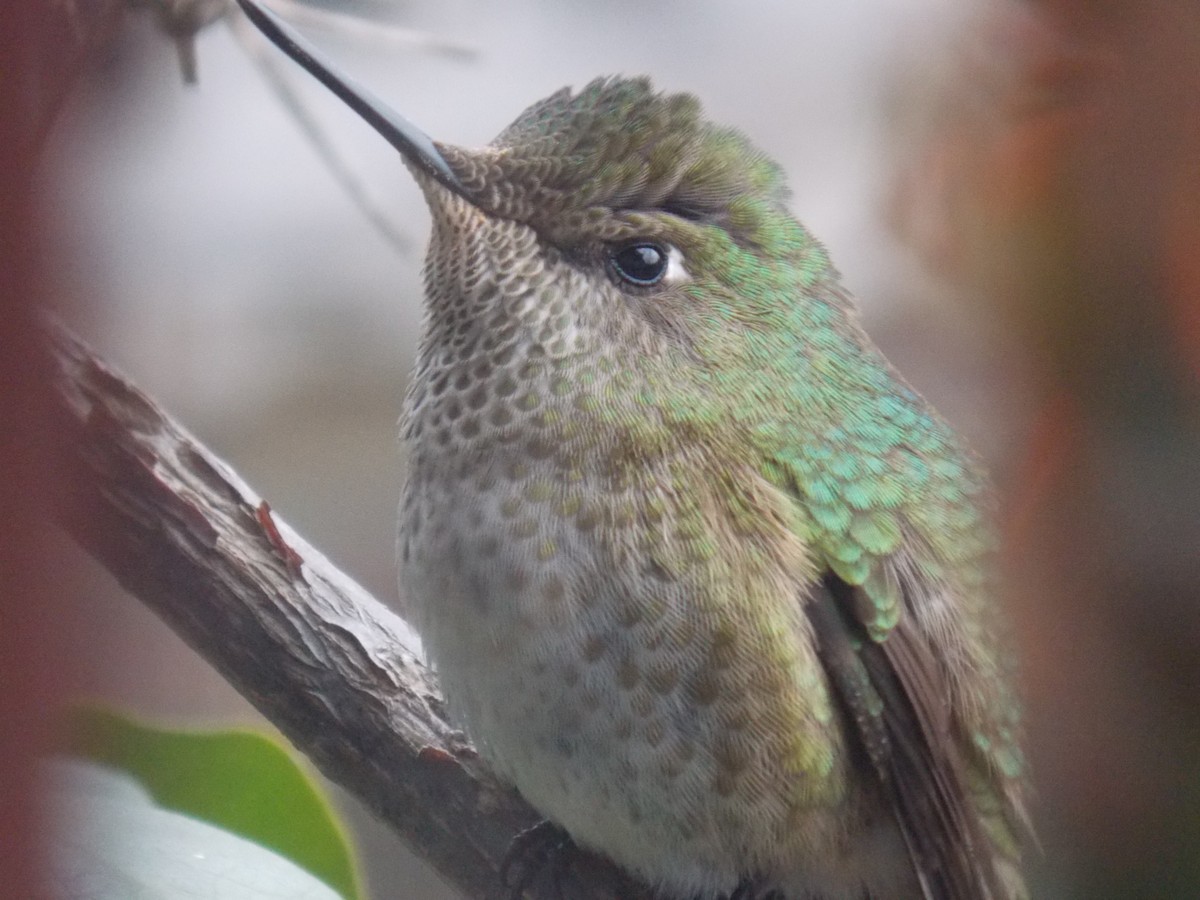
[373, 31]
[272, 65]
[182, 20]
[313, 651]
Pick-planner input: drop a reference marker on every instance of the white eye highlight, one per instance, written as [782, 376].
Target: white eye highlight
[646, 263]
[676, 272]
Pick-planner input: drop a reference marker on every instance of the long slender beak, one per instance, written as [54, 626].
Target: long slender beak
[414, 144]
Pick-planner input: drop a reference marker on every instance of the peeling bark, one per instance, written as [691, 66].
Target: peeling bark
[313, 651]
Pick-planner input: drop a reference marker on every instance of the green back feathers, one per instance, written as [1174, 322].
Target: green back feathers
[781, 356]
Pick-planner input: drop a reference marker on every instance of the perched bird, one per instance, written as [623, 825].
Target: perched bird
[700, 573]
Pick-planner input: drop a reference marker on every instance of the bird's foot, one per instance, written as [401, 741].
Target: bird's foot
[543, 848]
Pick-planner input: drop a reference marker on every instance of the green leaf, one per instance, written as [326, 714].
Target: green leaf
[240, 781]
[111, 842]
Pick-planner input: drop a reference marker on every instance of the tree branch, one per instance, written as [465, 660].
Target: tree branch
[312, 650]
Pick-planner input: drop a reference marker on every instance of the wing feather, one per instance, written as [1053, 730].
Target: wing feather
[897, 705]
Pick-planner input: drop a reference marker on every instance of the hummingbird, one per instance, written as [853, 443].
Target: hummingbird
[699, 572]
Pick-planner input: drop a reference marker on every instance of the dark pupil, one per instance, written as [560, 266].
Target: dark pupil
[640, 263]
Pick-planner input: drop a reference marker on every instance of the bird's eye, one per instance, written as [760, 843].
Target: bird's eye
[641, 264]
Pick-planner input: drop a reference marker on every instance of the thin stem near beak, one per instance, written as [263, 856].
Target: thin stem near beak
[414, 144]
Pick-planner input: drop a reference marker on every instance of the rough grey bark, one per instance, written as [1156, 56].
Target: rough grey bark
[312, 650]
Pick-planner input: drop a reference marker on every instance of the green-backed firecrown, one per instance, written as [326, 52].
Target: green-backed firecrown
[700, 573]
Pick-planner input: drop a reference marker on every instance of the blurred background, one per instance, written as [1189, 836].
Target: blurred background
[1011, 188]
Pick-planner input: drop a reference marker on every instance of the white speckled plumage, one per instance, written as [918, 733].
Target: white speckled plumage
[586, 680]
[702, 576]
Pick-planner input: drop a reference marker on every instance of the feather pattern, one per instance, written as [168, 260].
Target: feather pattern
[893, 701]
